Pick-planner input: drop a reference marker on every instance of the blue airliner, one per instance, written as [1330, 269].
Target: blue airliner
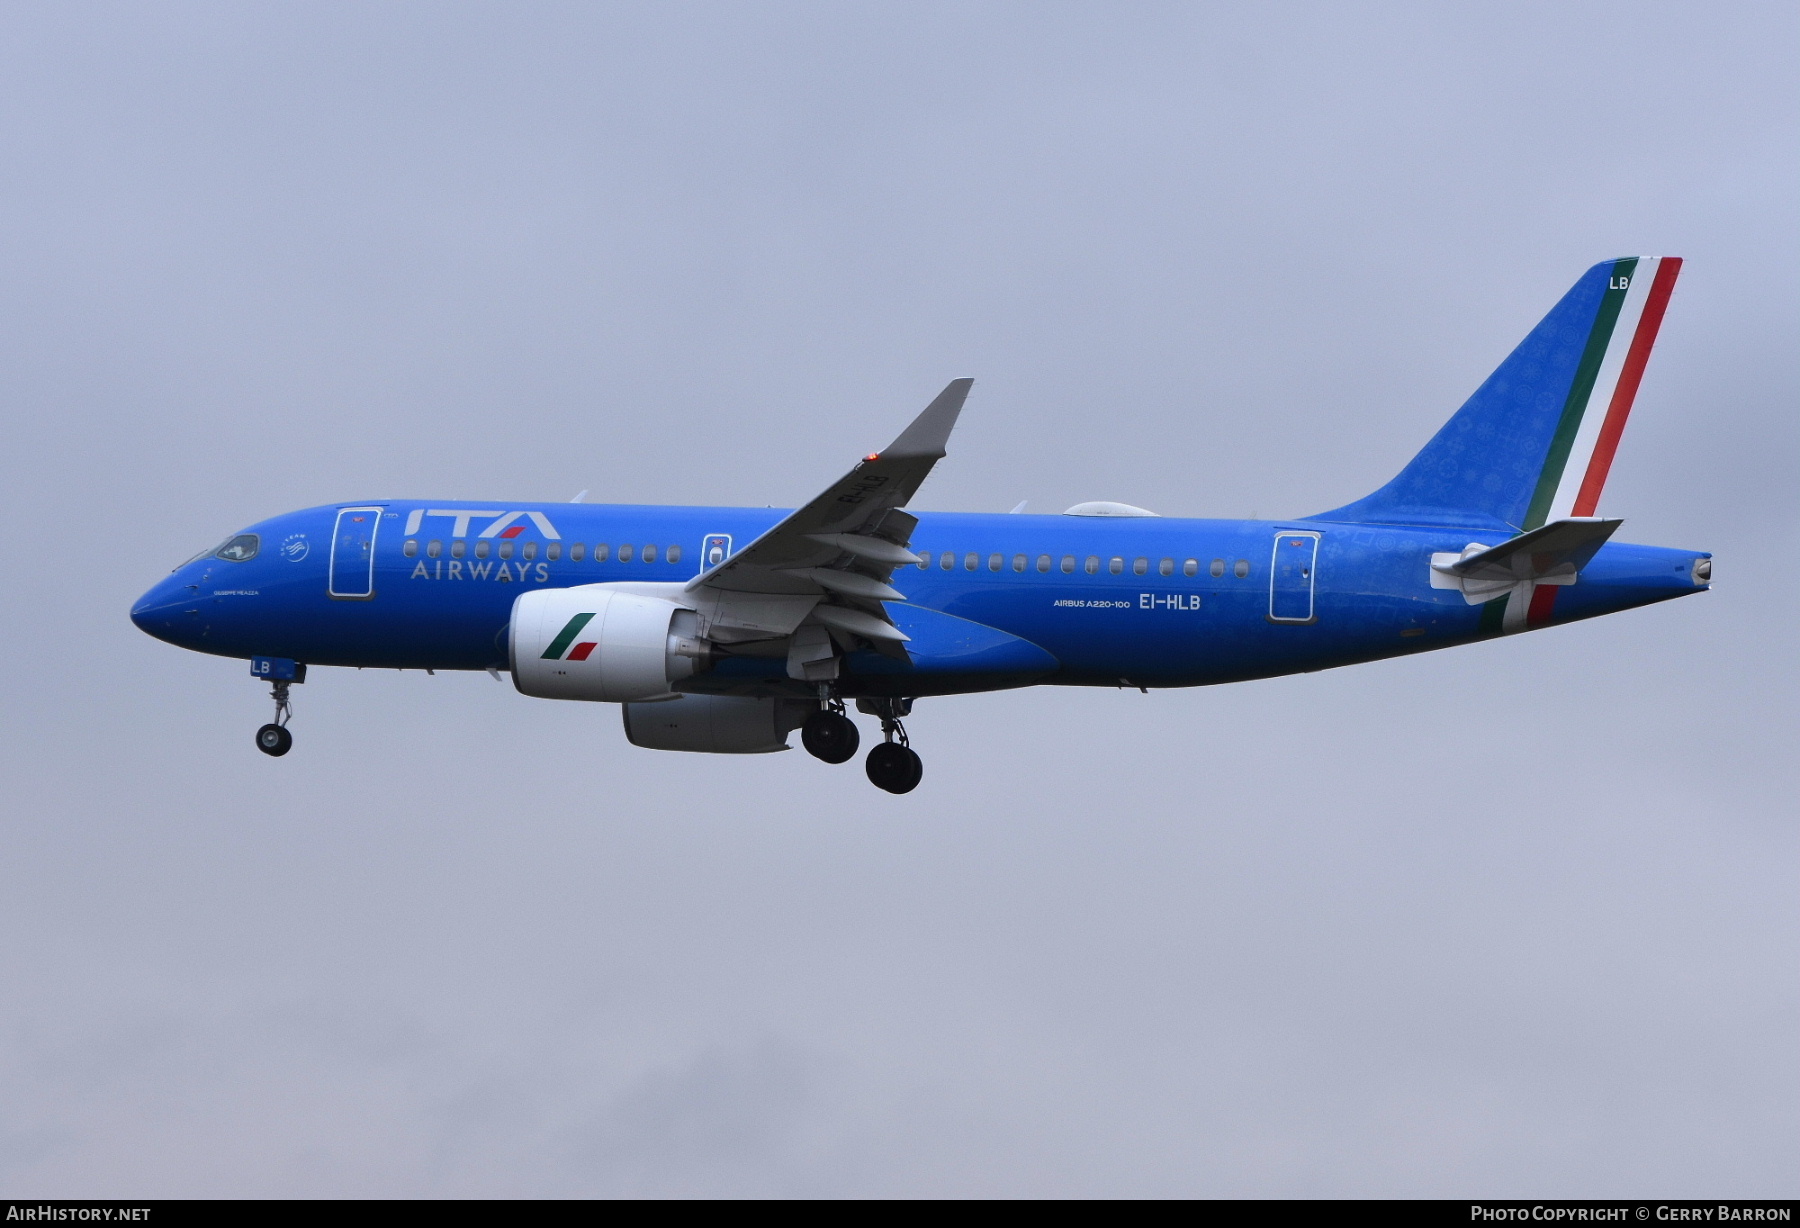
[724, 629]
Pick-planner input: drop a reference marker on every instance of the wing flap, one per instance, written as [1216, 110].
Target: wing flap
[852, 584]
[857, 622]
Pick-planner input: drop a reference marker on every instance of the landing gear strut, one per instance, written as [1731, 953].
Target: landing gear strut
[828, 734]
[893, 764]
[273, 738]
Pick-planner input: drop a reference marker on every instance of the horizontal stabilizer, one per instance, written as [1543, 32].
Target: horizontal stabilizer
[1553, 554]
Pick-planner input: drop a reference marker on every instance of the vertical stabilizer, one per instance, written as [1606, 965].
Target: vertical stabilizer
[1537, 439]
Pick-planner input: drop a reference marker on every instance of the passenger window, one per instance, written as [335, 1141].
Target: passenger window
[1217, 569]
[1191, 567]
[433, 549]
[624, 554]
[529, 550]
[481, 548]
[552, 552]
[410, 549]
[602, 552]
[1166, 567]
[1241, 568]
[1116, 565]
[1043, 562]
[650, 554]
[1068, 564]
[673, 554]
[924, 560]
[1018, 562]
[948, 563]
[577, 552]
[457, 547]
[971, 561]
[1140, 566]
[240, 549]
[1093, 565]
[994, 562]
[506, 549]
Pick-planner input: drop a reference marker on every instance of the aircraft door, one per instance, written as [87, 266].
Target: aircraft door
[1292, 576]
[352, 576]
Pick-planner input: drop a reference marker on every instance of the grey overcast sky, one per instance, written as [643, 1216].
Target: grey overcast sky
[1517, 919]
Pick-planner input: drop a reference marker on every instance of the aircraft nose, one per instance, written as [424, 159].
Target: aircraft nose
[159, 611]
[143, 614]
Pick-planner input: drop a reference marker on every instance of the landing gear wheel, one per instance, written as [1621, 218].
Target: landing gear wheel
[894, 767]
[274, 740]
[830, 736]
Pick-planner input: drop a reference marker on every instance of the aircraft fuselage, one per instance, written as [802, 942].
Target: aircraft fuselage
[1139, 601]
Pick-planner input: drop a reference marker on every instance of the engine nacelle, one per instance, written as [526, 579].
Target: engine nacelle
[594, 642]
[716, 724]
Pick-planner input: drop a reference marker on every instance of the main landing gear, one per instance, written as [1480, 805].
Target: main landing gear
[893, 764]
[830, 735]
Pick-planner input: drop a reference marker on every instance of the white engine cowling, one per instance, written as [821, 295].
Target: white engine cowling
[594, 642]
[716, 724]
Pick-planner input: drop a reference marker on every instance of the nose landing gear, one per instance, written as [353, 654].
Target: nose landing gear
[274, 738]
[893, 764]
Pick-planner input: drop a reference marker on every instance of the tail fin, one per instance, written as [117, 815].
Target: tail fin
[1536, 440]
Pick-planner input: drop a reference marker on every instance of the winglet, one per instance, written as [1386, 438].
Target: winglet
[930, 431]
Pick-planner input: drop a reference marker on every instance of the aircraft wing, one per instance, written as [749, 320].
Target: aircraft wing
[829, 563]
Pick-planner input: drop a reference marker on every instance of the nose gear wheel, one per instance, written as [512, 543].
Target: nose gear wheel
[274, 739]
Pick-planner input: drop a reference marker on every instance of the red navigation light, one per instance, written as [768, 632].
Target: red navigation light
[873, 456]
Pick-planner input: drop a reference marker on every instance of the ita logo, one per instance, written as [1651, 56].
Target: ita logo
[294, 547]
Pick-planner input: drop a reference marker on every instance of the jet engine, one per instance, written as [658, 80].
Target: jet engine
[595, 642]
[716, 724]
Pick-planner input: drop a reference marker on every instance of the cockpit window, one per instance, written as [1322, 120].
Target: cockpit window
[240, 549]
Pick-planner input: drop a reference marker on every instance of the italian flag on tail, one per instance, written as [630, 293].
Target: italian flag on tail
[1593, 415]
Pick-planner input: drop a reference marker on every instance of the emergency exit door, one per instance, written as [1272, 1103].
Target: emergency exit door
[1292, 576]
